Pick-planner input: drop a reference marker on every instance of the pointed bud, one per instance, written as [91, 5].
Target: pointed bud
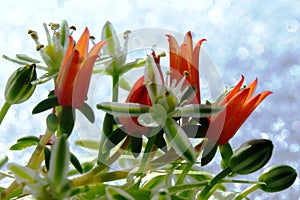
[19, 87]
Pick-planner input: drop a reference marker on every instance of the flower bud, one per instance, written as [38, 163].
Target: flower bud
[19, 87]
[277, 178]
[52, 122]
[251, 156]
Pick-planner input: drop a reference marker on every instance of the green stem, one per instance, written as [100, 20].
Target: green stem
[4, 110]
[183, 187]
[115, 87]
[247, 191]
[146, 154]
[205, 192]
[185, 171]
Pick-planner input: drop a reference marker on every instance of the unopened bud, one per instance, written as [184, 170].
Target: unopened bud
[251, 156]
[277, 178]
[19, 87]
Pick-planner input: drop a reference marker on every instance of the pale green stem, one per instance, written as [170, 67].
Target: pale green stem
[185, 171]
[247, 191]
[146, 154]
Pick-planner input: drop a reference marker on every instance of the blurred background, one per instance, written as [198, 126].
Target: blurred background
[251, 38]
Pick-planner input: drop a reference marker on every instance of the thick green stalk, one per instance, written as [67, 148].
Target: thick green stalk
[115, 87]
[3, 111]
[205, 192]
[146, 154]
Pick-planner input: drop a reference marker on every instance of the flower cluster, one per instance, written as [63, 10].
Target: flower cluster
[159, 137]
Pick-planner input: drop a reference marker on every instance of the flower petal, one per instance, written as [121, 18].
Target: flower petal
[233, 92]
[83, 44]
[83, 77]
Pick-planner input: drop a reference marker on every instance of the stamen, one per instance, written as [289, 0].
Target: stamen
[39, 47]
[33, 35]
[185, 73]
[54, 26]
[126, 34]
[73, 28]
[92, 38]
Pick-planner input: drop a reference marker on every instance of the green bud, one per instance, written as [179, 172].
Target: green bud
[277, 178]
[52, 122]
[251, 156]
[18, 87]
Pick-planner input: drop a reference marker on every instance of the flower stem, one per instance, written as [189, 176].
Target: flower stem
[185, 171]
[205, 192]
[35, 161]
[4, 110]
[146, 154]
[115, 87]
[247, 191]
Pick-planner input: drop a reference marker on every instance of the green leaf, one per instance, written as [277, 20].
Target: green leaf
[59, 162]
[123, 109]
[194, 131]
[75, 162]
[90, 192]
[23, 174]
[25, 142]
[160, 141]
[17, 193]
[108, 124]
[136, 145]
[114, 138]
[67, 120]
[209, 152]
[154, 182]
[179, 141]
[46, 104]
[88, 112]
[197, 110]
[89, 144]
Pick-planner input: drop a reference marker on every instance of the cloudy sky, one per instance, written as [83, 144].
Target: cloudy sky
[254, 38]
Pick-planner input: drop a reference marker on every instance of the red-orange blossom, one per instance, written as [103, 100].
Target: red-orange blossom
[75, 73]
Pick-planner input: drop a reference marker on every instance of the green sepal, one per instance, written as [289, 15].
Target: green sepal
[64, 31]
[179, 141]
[251, 156]
[59, 162]
[46, 104]
[88, 112]
[75, 162]
[226, 153]
[160, 141]
[25, 142]
[67, 119]
[47, 156]
[136, 145]
[209, 152]
[277, 178]
[123, 109]
[197, 110]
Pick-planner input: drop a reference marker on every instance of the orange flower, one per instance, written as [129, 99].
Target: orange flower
[75, 73]
[238, 104]
[138, 94]
[185, 59]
